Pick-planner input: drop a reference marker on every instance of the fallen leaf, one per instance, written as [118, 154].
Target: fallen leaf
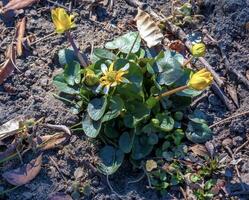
[10, 128]
[177, 45]
[199, 150]
[148, 29]
[9, 65]
[51, 141]
[60, 196]
[18, 4]
[24, 174]
[21, 25]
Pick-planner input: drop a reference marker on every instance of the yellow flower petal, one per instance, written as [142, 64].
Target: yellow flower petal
[200, 80]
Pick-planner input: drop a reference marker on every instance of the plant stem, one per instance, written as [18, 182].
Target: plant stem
[168, 93]
[132, 46]
[188, 61]
[83, 61]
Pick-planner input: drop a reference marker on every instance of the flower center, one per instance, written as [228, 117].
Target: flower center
[111, 76]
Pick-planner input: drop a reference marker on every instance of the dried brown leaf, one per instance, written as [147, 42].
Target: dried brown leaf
[20, 35]
[18, 4]
[51, 141]
[148, 29]
[177, 45]
[199, 150]
[9, 65]
[24, 174]
[60, 196]
[10, 128]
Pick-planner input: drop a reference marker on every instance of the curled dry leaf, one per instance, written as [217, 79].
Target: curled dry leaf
[24, 174]
[18, 4]
[51, 141]
[10, 128]
[148, 29]
[177, 45]
[9, 65]
[20, 35]
[199, 150]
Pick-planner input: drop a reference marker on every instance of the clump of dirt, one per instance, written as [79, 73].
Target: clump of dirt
[29, 91]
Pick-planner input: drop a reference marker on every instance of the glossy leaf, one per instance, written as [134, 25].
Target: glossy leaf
[61, 84]
[96, 108]
[111, 160]
[104, 54]
[66, 56]
[90, 127]
[72, 73]
[115, 108]
[198, 132]
[124, 43]
[125, 142]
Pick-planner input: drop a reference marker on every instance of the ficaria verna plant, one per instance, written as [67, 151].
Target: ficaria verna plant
[136, 103]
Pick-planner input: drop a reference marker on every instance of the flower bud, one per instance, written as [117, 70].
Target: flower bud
[90, 77]
[198, 50]
[200, 80]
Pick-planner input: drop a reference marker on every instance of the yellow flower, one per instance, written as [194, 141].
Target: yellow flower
[111, 77]
[200, 80]
[62, 21]
[150, 165]
[198, 50]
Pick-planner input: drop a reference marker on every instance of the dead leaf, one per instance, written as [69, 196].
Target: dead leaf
[233, 94]
[24, 174]
[177, 45]
[199, 150]
[18, 4]
[20, 35]
[9, 65]
[51, 141]
[148, 29]
[10, 128]
[60, 196]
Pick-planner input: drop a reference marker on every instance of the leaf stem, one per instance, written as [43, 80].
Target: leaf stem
[83, 61]
[170, 92]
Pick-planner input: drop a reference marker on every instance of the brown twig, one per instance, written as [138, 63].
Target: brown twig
[83, 61]
[57, 167]
[229, 118]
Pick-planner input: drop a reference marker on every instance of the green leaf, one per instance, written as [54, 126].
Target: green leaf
[90, 127]
[166, 122]
[124, 43]
[140, 150]
[111, 160]
[61, 84]
[151, 102]
[169, 68]
[104, 54]
[66, 56]
[198, 132]
[153, 138]
[115, 108]
[126, 142]
[96, 108]
[72, 73]
[110, 130]
[137, 112]
[197, 117]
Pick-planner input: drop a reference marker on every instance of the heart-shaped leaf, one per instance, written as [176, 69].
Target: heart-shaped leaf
[96, 108]
[111, 160]
[66, 56]
[125, 142]
[125, 42]
[104, 54]
[61, 84]
[90, 127]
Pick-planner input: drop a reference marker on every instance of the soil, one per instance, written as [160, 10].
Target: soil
[29, 91]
